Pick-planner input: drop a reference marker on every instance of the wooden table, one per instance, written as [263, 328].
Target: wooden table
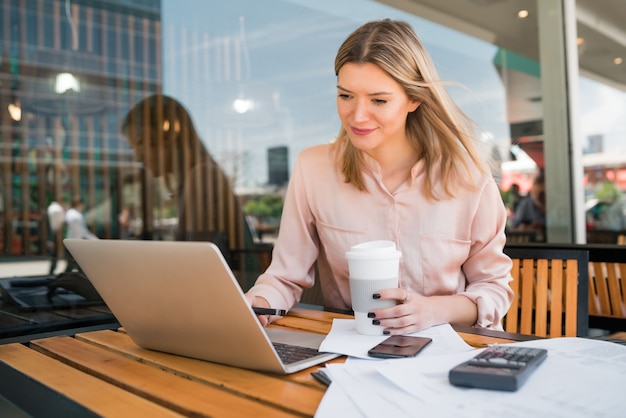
[105, 373]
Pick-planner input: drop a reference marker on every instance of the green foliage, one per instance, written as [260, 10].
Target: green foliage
[267, 206]
[608, 192]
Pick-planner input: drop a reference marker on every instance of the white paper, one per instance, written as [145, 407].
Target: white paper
[579, 378]
[343, 339]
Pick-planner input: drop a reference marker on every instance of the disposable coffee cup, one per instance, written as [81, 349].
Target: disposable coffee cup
[373, 266]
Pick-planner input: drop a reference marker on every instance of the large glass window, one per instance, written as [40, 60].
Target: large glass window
[181, 119]
[603, 127]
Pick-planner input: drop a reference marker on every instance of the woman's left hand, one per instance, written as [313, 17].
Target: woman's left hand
[412, 313]
[415, 312]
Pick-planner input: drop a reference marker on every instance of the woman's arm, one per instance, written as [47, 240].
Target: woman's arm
[295, 251]
[487, 294]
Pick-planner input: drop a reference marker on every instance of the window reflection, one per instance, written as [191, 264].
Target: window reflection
[193, 192]
[178, 120]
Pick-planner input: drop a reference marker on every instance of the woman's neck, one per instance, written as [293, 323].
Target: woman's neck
[395, 165]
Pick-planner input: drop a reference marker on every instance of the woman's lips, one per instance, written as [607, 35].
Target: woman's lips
[361, 132]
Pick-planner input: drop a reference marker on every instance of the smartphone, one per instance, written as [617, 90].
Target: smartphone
[399, 346]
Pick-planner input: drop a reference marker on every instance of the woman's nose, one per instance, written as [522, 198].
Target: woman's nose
[360, 112]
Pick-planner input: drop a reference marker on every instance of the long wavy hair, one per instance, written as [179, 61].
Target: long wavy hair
[162, 133]
[442, 134]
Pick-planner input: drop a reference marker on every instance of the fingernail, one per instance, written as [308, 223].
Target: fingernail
[386, 332]
[376, 296]
[371, 315]
[375, 322]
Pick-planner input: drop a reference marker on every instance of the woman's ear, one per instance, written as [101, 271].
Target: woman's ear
[414, 105]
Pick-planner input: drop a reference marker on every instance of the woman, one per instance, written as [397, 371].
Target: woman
[163, 136]
[403, 168]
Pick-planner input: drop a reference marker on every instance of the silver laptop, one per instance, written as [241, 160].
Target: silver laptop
[182, 298]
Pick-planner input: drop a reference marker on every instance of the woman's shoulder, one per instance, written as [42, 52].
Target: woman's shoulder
[469, 175]
[318, 154]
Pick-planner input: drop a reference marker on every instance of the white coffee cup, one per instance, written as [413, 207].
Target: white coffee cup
[373, 266]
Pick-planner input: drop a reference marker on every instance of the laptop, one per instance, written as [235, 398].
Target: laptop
[182, 298]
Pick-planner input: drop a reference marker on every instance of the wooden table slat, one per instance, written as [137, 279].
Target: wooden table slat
[195, 384]
[309, 320]
[480, 341]
[324, 316]
[304, 324]
[262, 386]
[214, 373]
[95, 394]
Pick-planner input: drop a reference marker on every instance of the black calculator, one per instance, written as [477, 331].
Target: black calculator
[498, 367]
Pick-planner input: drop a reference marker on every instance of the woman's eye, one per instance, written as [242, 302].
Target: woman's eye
[379, 101]
[344, 96]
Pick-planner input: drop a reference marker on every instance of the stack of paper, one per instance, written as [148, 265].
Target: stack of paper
[580, 378]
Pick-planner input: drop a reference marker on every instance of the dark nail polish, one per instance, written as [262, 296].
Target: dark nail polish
[375, 322]
[376, 296]
[386, 332]
[371, 315]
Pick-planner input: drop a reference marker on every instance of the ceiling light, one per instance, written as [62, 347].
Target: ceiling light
[65, 82]
[618, 61]
[242, 106]
[580, 40]
[522, 14]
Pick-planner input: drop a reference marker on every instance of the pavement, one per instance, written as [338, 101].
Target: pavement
[28, 268]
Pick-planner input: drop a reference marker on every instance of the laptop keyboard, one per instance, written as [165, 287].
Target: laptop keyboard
[293, 353]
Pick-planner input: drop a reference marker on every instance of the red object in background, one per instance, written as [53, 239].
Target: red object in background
[533, 148]
[620, 178]
[523, 180]
[591, 177]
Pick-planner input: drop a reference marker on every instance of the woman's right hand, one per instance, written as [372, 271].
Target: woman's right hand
[259, 302]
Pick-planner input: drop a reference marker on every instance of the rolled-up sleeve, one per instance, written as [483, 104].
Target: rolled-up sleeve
[488, 269]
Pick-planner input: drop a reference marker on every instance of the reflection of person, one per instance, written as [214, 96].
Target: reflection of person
[162, 135]
[403, 168]
[127, 223]
[515, 197]
[56, 217]
[616, 216]
[531, 212]
[76, 227]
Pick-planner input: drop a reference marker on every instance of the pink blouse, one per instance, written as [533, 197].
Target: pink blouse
[450, 246]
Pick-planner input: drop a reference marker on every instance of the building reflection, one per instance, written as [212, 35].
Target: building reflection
[72, 69]
[83, 115]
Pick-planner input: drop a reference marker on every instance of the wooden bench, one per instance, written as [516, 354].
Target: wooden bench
[550, 288]
[607, 287]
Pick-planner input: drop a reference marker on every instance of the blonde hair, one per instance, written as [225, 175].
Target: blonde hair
[440, 132]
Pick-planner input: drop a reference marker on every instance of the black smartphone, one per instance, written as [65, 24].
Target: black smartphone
[399, 346]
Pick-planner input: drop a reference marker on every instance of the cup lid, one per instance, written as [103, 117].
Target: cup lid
[378, 248]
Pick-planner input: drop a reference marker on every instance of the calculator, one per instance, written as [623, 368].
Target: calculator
[498, 367]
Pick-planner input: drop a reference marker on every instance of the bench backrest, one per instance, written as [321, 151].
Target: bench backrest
[550, 286]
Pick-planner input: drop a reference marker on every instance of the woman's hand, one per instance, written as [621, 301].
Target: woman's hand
[259, 302]
[415, 312]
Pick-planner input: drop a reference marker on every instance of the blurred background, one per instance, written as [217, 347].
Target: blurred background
[181, 119]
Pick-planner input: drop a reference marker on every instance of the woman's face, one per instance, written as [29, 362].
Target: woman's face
[372, 106]
[156, 157]
[148, 157]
